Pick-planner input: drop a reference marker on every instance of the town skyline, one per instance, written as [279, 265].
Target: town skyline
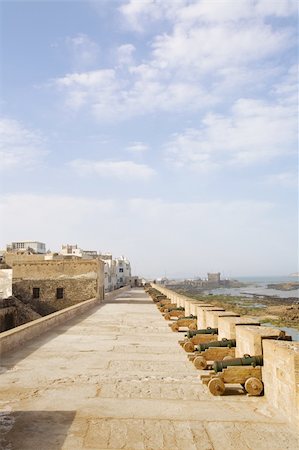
[164, 131]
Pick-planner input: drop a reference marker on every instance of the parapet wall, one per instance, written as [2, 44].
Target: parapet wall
[16, 337]
[281, 377]
[280, 372]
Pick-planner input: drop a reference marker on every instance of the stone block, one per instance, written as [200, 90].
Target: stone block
[201, 315]
[249, 339]
[227, 325]
[212, 317]
[281, 377]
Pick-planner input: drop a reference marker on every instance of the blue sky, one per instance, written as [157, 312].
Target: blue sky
[165, 131]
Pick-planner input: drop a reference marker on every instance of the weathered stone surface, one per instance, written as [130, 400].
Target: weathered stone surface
[107, 380]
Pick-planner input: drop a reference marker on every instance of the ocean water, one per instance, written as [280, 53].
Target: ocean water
[258, 285]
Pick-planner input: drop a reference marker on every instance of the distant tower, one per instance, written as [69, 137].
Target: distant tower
[214, 278]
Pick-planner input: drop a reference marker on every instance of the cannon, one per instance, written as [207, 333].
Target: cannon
[189, 322]
[164, 305]
[209, 330]
[197, 337]
[247, 360]
[223, 343]
[245, 371]
[174, 312]
[212, 351]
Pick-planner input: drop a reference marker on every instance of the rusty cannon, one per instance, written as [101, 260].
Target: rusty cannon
[245, 371]
[164, 303]
[206, 353]
[178, 312]
[189, 322]
[197, 337]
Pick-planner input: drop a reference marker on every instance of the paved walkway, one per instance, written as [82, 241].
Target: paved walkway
[116, 378]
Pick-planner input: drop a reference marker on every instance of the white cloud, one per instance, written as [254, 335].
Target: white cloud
[123, 170]
[137, 147]
[19, 146]
[205, 55]
[254, 132]
[140, 15]
[125, 54]
[283, 179]
[204, 49]
[84, 51]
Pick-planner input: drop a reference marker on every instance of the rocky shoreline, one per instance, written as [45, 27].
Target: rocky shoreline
[289, 286]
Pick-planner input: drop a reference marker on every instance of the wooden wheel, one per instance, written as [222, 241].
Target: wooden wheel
[188, 347]
[227, 357]
[254, 386]
[175, 327]
[192, 327]
[216, 386]
[200, 362]
[167, 317]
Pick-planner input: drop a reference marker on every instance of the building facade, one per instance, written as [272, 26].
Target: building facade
[23, 246]
[5, 281]
[123, 272]
[63, 281]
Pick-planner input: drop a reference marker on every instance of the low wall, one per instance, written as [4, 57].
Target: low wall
[249, 339]
[281, 377]
[201, 315]
[212, 317]
[17, 336]
[227, 326]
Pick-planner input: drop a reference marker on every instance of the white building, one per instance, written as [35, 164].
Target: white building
[123, 272]
[69, 250]
[109, 272]
[23, 246]
[5, 282]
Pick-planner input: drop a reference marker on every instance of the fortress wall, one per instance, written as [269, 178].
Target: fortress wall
[280, 372]
[16, 337]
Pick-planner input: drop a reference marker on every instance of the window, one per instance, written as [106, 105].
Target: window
[35, 292]
[59, 293]
[121, 270]
[121, 280]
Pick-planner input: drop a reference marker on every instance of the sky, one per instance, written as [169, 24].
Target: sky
[165, 131]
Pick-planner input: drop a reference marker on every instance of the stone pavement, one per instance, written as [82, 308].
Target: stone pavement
[116, 378]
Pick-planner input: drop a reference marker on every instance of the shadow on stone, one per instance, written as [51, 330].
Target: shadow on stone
[29, 430]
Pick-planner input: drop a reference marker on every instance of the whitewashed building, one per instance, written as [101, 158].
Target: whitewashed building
[5, 281]
[24, 246]
[123, 271]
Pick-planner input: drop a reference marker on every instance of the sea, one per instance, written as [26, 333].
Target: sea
[258, 286]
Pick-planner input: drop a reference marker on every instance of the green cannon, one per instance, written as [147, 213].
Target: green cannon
[247, 360]
[189, 322]
[179, 308]
[190, 317]
[223, 343]
[208, 330]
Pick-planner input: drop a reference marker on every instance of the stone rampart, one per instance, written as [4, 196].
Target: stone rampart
[281, 377]
[280, 371]
[18, 336]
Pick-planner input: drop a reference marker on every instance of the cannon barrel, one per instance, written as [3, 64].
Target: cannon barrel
[247, 360]
[189, 317]
[208, 330]
[180, 308]
[223, 343]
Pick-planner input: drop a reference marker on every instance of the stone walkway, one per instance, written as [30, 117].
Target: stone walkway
[116, 378]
